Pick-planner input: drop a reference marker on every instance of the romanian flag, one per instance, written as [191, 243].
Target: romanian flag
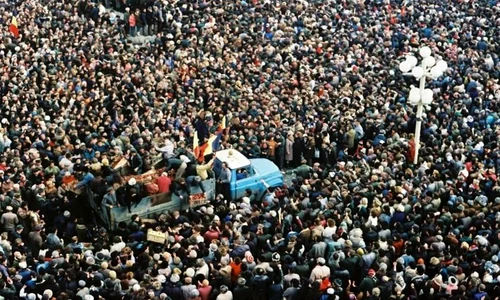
[201, 155]
[13, 27]
[223, 126]
[198, 149]
[196, 145]
[213, 144]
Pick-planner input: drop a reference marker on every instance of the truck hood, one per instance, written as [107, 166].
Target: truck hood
[269, 172]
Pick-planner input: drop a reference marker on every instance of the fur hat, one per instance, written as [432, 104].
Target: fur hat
[434, 261]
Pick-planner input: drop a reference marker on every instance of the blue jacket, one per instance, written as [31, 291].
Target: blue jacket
[87, 178]
[479, 295]
[379, 138]
[89, 155]
[25, 274]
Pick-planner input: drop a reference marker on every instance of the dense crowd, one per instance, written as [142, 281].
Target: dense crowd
[313, 86]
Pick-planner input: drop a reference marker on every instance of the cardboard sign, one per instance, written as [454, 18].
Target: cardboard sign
[157, 236]
[143, 178]
[120, 163]
[197, 199]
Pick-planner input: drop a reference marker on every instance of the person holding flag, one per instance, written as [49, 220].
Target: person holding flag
[212, 144]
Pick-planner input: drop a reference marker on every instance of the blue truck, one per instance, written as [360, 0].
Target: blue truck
[256, 174]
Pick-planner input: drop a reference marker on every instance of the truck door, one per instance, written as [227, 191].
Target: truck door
[217, 167]
[245, 178]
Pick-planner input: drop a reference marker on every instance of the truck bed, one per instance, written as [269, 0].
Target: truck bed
[152, 206]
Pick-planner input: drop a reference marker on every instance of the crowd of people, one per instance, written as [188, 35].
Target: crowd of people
[313, 86]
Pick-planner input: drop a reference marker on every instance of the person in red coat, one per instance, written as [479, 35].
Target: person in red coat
[164, 182]
[411, 149]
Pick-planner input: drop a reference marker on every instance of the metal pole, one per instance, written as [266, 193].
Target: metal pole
[417, 131]
[418, 125]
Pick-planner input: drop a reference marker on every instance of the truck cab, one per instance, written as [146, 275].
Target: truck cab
[256, 174]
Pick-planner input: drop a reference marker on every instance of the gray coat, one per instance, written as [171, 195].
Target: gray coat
[288, 150]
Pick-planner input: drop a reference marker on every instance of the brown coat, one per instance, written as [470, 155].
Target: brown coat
[272, 147]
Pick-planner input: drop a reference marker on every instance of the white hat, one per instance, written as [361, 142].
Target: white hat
[49, 293]
[194, 293]
[487, 278]
[23, 265]
[132, 181]
[31, 296]
[162, 279]
[174, 278]
[213, 247]
[273, 213]
[137, 287]
[90, 261]
[189, 272]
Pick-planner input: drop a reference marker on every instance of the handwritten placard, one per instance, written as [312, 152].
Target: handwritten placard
[197, 199]
[157, 236]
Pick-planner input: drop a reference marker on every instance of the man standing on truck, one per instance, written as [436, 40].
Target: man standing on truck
[223, 182]
[167, 150]
[181, 189]
[136, 162]
[204, 170]
[193, 181]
